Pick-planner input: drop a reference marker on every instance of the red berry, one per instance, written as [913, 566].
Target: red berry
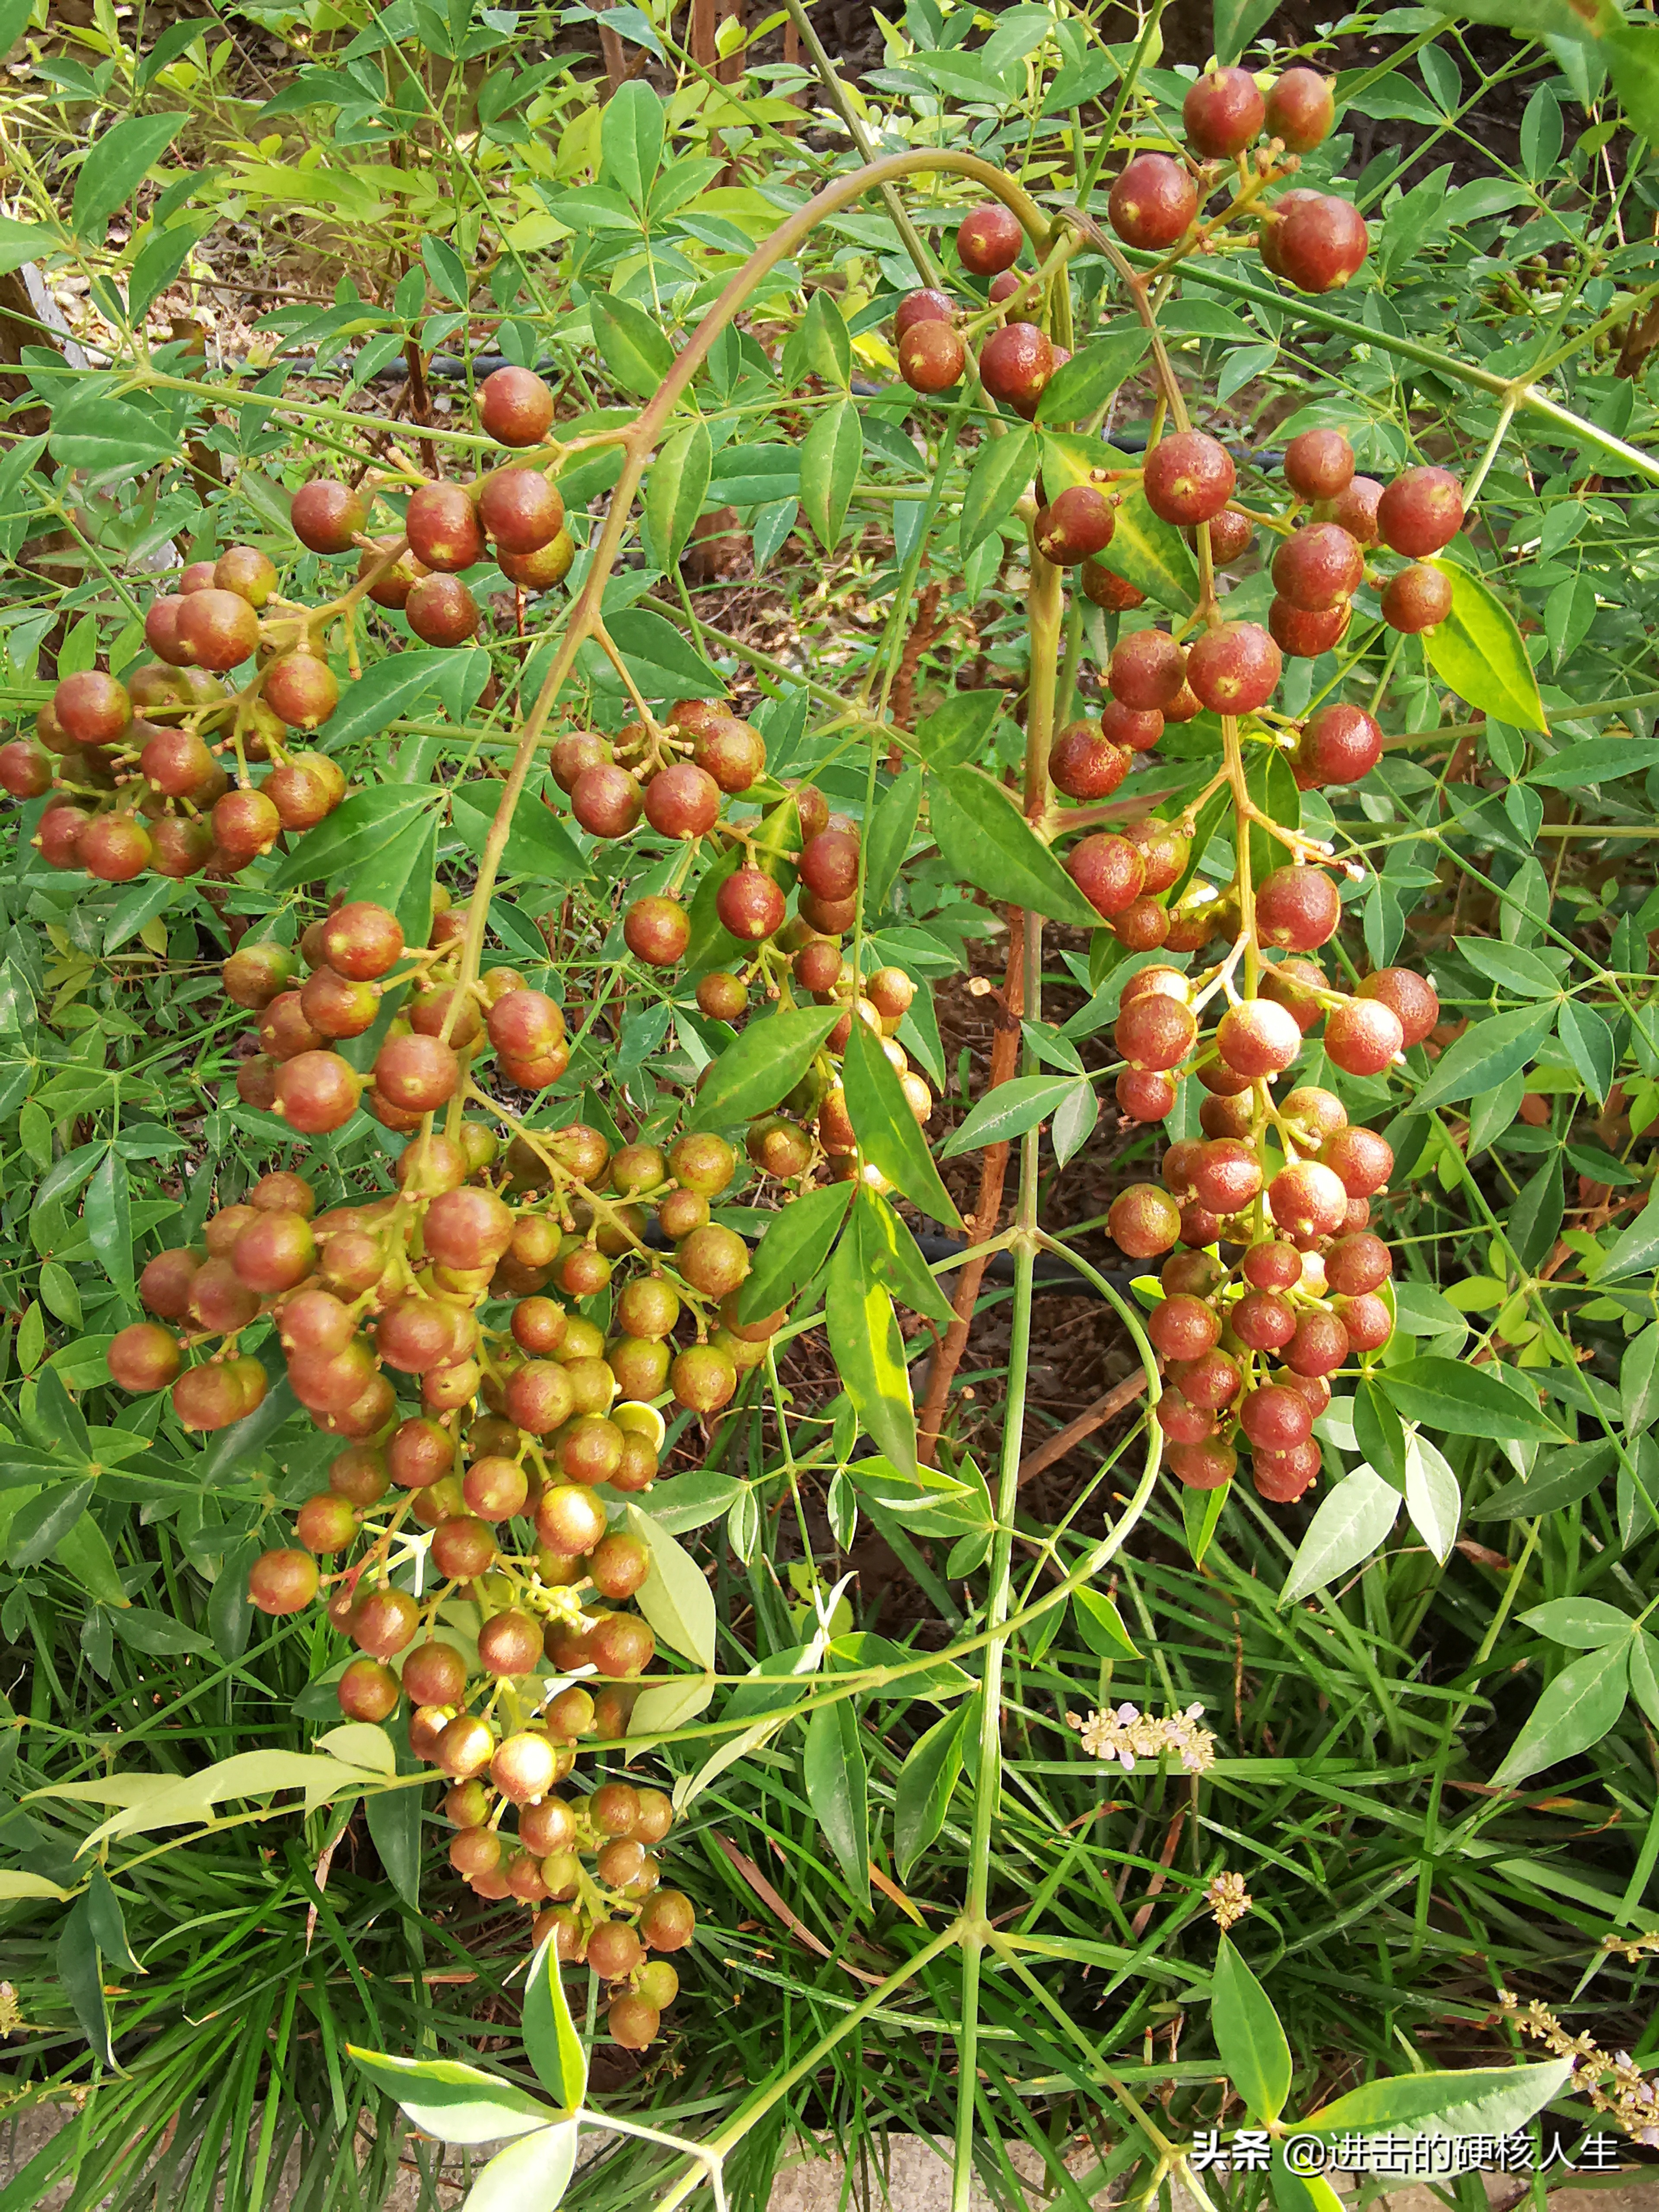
[1190, 478]
[1155, 1032]
[1362, 1036]
[924, 307]
[750, 905]
[1417, 599]
[1235, 669]
[988, 239]
[1146, 670]
[606, 800]
[1224, 114]
[1258, 1038]
[1299, 908]
[361, 940]
[1412, 997]
[1203, 1466]
[520, 510]
[215, 630]
[1320, 243]
[115, 848]
[1341, 744]
[932, 356]
[443, 529]
[1015, 364]
[1421, 511]
[1301, 109]
[1356, 509]
[440, 610]
[657, 931]
[324, 517]
[1153, 201]
[1144, 1221]
[1319, 464]
[1275, 1418]
[1113, 593]
[515, 407]
[1305, 636]
[1308, 1199]
[1318, 565]
[682, 801]
[1272, 1267]
[1318, 1346]
[1084, 763]
[1361, 1159]
[1108, 871]
[1136, 728]
[1074, 525]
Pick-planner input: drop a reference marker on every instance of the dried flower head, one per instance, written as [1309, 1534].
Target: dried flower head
[1613, 2082]
[1127, 1734]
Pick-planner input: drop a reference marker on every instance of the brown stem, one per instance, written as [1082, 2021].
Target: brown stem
[981, 1224]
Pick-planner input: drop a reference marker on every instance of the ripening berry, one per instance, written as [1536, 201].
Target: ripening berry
[1318, 565]
[1341, 744]
[1015, 365]
[539, 571]
[325, 516]
[1183, 1328]
[1226, 1174]
[1108, 871]
[315, 1092]
[1144, 1221]
[724, 997]
[1146, 670]
[988, 239]
[114, 848]
[1316, 243]
[1275, 1419]
[1318, 1346]
[1363, 1036]
[1417, 599]
[1421, 511]
[1074, 525]
[683, 801]
[283, 1582]
[1258, 1038]
[1152, 202]
[929, 306]
[1155, 1031]
[606, 800]
[520, 510]
[1084, 763]
[703, 1378]
[361, 940]
[1190, 478]
[1234, 669]
[515, 407]
[1210, 1383]
[440, 610]
[1301, 110]
[1363, 1159]
[509, 1644]
[1113, 593]
[1356, 509]
[657, 929]
[1137, 729]
[1319, 464]
[750, 905]
[144, 1355]
[1357, 1265]
[1297, 908]
[1224, 112]
[1308, 1199]
[215, 630]
[1301, 636]
[1412, 997]
[932, 356]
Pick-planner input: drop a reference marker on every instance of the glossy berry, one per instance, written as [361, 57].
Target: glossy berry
[515, 407]
[828, 864]
[750, 905]
[657, 929]
[283, 1582]
[1074, 525]
[1258, 1038]
[301, 689]
[731, 752]
[988, 239]
[1304, 636]
[1356, 508]
[1084, 763]
[440, 610]
[361, 940]
[520, 510]
[1137, 729]
[683, 801]
[1301, 109]
[1224, 114]
[929, 306]
[1113, 593]
[1321, 243]
[326, 516]
[1317, 565]
[1417, 599]
[26, 769]
[1183, 1328]
[315, 1092]
[92, 709]
[1190, 478]
[1275, 1419]
[1297, 908]
[1341, 744]
[1358, 1264]
[1146, 670]
[606, 800]
[144, 1356]
[114, 848]
[932, 356]
[1155, 1031]
[1108, 871]
[1152, 202]
[1420, 511]
[1319, 464]
[443, 528]
[1411, 997]
[539, 571]
[1144, 1221]
[1015, 365]
[1362, 1036]
[215, 630]
[1307, 1199]
[1235, 669]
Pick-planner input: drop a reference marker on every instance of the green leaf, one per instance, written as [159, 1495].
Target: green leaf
[957, 730]
[837, 1790]
[1008, 1112]
[113, 439]
[692, 1501]
[1596, 760]
[1200, 1516]
[1571, 1474]
[109, 1926]
[869, 1355]
[887, 838]
[14, 1882]
[675, 1596]
[457, 2103]
[1465, 1401]
[1237, 23]
[354, 834]
[1488, 1052]
[987, 841]
[1590, 1046]
[382, 694]
[24, 241]
[1100, 1625]
[1644, 1679]
[662, 663]
[831, 457]
[1001, 471]
[41, 1522]
[1479, 652]
[1083, 385]
[891, 1255]
[1477, 2101]
[538, 845]
[1635, 1250]
[1152, 555]
[795, 1246]
[393, 1819]
[677, 487]
[550, 2033]
[1576, 1711]
[84, 1552]
[631, 140]
[1248, 2039]
[1434, 1500]
[1584, 1624]
[921, 1796]
[106, 1214]
[887, 1133]
[81, 1971]
[534, 2171]
[631, 343]
[1074, 1120]
[116, 165]
[766, 1063]
[1355, 1516]
[158, 1634]
[1638, 1380]
[825, 345]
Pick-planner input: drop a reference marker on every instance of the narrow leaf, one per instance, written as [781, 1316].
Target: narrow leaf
[1479, 652]
[869, 1355]
[988, 842]
[837, 1788]
[550, 2033]
[767, 1061]
[921, 1797]
[1248, 2039]
[889, 1133]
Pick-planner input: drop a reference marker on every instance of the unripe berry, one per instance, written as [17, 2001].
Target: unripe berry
[668, 1922]
[144, 1356]
[367, 1691]
[703, 1378]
